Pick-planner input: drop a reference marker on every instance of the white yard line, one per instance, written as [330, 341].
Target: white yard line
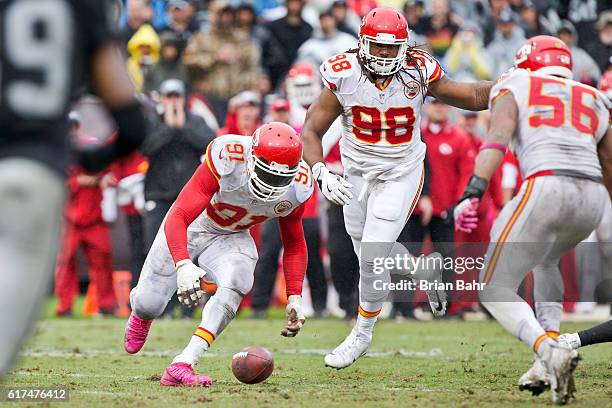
[434, 352]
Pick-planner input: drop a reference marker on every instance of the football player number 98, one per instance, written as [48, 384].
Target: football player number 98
[397, 129]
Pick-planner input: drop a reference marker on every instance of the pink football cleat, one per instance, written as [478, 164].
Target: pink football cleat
[182, 375]
[135, 333]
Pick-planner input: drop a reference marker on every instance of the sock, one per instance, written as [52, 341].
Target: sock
[368, 314]
[198, 345]
[516, 317]
[549, 317]
[216, 315]
[598, 334]
[542, 345]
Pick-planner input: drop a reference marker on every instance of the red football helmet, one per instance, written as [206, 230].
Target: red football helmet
[605, 85]
[383, 25]
[546, 55]
[302, 84]
[274, 160]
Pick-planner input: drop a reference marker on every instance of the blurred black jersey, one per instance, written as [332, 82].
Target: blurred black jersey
[45, 52]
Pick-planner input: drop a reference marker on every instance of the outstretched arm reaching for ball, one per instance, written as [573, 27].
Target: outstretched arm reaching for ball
[191, 202]
[472, 96]
[504, 118]
[319, 118]
[295, 260]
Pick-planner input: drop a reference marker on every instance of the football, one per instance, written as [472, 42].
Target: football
[252, 365]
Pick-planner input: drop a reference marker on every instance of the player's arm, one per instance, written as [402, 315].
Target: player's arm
[604, 151]
[472, 96]
[191, 202]
[319, 117]
[110, 81]
[295, 260]
[504, 117]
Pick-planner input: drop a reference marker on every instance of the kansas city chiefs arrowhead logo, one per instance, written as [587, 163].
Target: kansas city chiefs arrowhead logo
[282, 207]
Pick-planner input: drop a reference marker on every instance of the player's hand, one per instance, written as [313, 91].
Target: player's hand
[188, 287]
[466, 219]
[295, 316]
[334, 188]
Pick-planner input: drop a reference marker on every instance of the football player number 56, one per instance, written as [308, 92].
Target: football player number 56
[37, 43]
[582, 117]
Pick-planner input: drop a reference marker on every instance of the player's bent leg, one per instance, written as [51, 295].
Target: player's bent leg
[548, 292]
[31, 203]
[149, 298]
[231, 260]
[389, 204]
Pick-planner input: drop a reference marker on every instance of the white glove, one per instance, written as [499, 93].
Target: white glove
[334, 188]
[295, 316]
[188, 287]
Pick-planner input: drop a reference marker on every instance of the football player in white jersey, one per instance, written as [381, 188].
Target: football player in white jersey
[205, 242]
[564, 146]
[378, 90]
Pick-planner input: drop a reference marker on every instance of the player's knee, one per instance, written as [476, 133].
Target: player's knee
[241, 279]
[147, 306]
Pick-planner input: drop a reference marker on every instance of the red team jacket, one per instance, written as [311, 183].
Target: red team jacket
[447, 156]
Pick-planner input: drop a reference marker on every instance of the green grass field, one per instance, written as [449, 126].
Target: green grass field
[425, 364]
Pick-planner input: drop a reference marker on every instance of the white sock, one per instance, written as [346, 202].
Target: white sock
[193, 352]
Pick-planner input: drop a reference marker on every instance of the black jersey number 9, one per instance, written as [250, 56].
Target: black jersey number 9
[38, 39]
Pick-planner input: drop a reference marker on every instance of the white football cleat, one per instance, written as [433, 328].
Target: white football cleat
[354, 346]
[536, 379]
[569, 340]
[561, 362]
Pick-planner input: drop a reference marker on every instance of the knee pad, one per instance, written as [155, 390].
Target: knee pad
[239, 277]
[147, 305]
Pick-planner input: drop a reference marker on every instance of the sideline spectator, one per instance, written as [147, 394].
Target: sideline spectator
[222, 62]
[467, 59]
[348, 22]
[534, 23]
[139, 13]
[144, 53]
[489, 23]
[438, 27]
[326, 42]
[508, 39]
[181, 22]
[176, 141]
[584, 68]
[283, 38]
[243, 115]
[168, 66]
[601, 48]
[84, 227]
[127, 178]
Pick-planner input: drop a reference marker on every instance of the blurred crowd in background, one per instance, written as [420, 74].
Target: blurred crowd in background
[210, 68]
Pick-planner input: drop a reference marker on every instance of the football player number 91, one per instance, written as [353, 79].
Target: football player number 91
[368, 126]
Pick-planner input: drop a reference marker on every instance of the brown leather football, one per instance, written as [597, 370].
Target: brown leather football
[252, 365]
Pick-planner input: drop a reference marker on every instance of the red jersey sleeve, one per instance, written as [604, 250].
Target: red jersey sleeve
[190, 203]
[295, 255]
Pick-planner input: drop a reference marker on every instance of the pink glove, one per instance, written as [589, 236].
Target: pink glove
[466, 219]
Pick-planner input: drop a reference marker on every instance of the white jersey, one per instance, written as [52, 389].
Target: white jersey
[381, 123]
[561, 121]
[233, 208]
